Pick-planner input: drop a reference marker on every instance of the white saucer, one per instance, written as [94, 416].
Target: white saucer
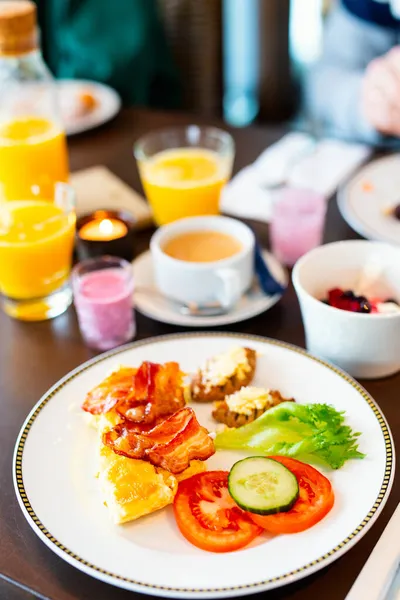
[363, 200]
[253, 303]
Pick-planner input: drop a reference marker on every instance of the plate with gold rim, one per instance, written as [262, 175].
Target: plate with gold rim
[54, 480]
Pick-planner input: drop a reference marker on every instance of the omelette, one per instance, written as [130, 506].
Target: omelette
[133, 488]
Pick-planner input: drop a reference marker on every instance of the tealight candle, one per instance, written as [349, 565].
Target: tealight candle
[105, 232]
[103, 297]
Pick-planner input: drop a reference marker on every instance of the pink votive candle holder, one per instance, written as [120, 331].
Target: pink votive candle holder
[297, 223]
[103, 297]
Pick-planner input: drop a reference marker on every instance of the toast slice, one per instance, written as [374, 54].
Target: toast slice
[224, 375]
[246, 406]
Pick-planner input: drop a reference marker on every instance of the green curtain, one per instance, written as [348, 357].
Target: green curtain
[118, 42]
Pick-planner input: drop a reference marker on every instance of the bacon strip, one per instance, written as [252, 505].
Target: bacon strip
[118, 387]
[171, 444]
[139, 395]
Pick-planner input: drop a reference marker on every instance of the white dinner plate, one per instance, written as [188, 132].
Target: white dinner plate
[108, 104]
[156, 307]
[54, 465]
[363, 200]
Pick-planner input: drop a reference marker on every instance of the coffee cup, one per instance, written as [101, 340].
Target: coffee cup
[195, 276]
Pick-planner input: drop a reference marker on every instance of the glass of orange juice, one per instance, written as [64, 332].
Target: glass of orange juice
[184, 169]
[36, 244]
[33, 157]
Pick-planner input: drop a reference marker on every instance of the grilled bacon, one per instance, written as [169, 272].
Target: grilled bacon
[118, 387]
[171, 444]
[139, 395]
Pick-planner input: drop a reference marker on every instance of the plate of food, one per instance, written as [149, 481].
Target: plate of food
[370, 201]
[86, 104]
[203, 465]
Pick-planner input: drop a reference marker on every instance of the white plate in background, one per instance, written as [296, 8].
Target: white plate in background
[363, 200]
[108, 104]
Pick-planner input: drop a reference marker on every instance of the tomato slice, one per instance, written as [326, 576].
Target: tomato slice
[315, 500]
[208, 517]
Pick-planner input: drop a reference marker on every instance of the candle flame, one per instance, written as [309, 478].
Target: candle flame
[106, 227]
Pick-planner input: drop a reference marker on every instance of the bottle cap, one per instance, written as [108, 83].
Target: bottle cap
[18, 31]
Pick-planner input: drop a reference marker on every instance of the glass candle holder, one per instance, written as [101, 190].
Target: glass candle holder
[103, 297]
[105, 233]
[297, 223]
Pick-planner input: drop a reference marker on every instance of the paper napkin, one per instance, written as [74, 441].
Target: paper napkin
[375, 579]
[98, 188]
[304, 163]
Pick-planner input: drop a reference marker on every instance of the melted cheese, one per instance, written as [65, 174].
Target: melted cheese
[224, 366]
[249, 399]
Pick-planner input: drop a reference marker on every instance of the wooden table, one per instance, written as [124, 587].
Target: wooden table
[33, 356]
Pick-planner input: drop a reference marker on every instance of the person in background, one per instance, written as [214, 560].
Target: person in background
[355, 87]
[120, 43]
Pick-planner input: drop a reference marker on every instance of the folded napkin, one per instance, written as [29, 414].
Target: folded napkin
[266, 280]
[378, 572]
[98, 188]
[304, 163]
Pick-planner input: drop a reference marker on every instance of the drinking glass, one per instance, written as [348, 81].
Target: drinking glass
[36, 245]
[297, 223]
[184, 169]
[103, 297]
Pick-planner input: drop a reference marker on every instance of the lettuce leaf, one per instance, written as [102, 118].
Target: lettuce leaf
[314, 432]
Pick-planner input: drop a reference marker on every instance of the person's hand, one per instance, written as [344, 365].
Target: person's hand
[381, 93]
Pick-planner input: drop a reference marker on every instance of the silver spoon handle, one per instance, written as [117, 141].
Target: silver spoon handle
[191, 307]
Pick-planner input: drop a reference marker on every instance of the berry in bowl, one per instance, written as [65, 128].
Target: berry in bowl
[350, 301]
[348, 294]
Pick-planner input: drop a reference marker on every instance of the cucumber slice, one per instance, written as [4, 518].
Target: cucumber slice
[262, 485]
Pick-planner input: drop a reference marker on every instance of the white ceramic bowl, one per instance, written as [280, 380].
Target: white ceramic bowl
[365, 345]
[223, 280]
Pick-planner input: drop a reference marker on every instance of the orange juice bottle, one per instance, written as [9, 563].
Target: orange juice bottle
[33, 152]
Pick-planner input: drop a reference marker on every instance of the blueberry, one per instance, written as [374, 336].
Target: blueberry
[348, 294]
[365, 306]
